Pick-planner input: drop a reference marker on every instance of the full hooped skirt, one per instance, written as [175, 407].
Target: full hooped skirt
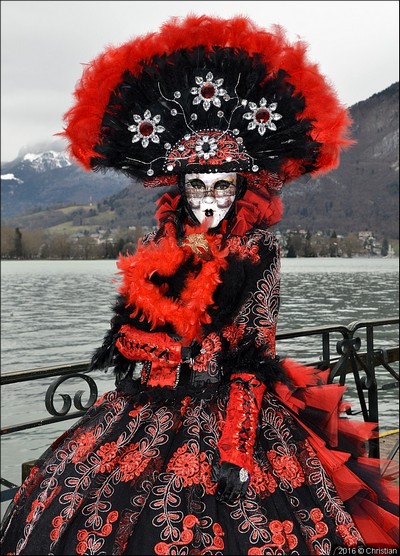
[134, 477]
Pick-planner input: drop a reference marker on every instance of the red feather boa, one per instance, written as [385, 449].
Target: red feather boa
[186, 314]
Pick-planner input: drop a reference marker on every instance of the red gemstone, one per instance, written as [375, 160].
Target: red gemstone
[207, 90]
[262, 115]
[146, 129]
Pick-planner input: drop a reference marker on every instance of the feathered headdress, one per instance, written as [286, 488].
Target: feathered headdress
[207, 94]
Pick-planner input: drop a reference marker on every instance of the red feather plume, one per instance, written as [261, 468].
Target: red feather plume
[330, 118]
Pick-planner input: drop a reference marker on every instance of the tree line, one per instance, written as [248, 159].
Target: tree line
[40, 244]
[332, 245]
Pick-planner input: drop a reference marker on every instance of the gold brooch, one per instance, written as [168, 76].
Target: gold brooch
[199, 245]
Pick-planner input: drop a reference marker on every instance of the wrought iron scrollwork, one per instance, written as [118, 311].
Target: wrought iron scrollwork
[347, 349]
[346, 346]
[51, 392]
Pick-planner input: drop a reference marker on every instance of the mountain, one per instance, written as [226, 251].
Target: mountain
[37, 181]
[362, 194]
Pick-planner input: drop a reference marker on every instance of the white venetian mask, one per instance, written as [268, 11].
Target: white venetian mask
[210, 196]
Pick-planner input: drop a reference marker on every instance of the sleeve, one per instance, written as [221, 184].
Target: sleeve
[236, 444]
[244, 347]
[254, 323]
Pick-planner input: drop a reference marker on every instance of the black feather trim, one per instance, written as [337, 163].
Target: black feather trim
[142, 394]
[252, 360]
[154, 91]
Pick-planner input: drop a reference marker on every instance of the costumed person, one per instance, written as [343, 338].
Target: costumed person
[210, 444]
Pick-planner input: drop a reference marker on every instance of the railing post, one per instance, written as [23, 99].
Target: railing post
[372, 387]
[326, 353]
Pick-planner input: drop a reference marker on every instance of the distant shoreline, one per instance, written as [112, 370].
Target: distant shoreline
[3, 259]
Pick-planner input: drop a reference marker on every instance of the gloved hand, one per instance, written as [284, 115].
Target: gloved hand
[232, 482]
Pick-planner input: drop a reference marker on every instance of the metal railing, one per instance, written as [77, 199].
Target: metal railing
[348, 362]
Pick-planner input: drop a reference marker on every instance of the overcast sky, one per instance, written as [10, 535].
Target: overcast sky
[44, 44]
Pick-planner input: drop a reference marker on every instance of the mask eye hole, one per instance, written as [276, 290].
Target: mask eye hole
[196, 184]
[221, 185]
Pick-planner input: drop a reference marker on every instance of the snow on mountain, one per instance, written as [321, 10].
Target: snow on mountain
[48, 160]
[48, 178]
[11, 177]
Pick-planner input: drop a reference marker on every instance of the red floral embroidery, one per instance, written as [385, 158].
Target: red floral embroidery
[205, 475]
[210, 347]
[185, 464]
[108, 454]
[85, 442]
[281, 533]
[187, 536]
[57, 523]
[99, 401]
[287, 468]
[132, 462]
[36, 504]
[185, 402]
[241, 251]
[39, 505]
[218, 542]
[321, 528]
[136, 410]
[192, 466]
[262, 481]
[88, 542]
[347, 535]
[281, 536]
[233, 333]
[309, 448]
[27, 485]
[266, 337]
[316, 515]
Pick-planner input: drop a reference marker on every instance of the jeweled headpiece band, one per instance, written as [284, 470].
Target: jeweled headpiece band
[210, 148]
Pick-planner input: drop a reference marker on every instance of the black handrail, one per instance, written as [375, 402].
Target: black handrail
[347, 361]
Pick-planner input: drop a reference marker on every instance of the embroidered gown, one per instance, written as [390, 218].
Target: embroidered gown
[138, 473]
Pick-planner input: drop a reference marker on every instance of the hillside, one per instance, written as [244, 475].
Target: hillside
[363, 193]
[39, 181]
[46, 190]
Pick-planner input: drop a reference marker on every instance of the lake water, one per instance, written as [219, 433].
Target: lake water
[56, 312]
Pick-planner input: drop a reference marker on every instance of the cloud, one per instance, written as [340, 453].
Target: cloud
[44, 45]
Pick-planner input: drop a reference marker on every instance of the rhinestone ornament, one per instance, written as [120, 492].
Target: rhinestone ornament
[262, 117]
[146, 129]
[208, 91]
[206, 147]
[243, 475]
